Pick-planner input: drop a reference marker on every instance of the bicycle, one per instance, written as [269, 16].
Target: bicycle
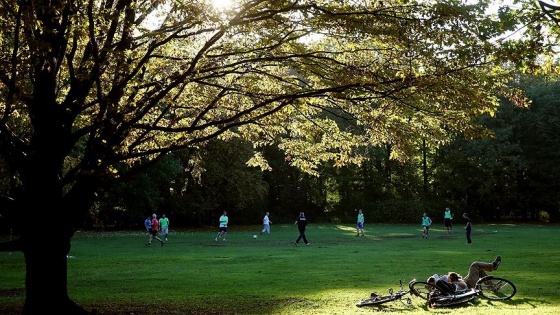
[376, 299]
[489, 287]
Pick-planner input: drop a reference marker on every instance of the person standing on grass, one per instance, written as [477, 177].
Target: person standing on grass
[468, 227]
[148, 225]
[301, 223]
[164, 226]
[448, 219]
[222, 231]
[155, 230]
[266, 224]
[360, 224]
[426, 222]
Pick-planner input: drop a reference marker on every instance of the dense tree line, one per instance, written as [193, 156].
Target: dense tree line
[511, 174]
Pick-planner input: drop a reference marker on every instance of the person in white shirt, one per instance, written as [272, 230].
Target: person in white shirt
[266, 224]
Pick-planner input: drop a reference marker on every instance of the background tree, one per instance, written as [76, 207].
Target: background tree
[89, 85]
[481, 176]
[228, 184]
[122, 204]
[537, 132]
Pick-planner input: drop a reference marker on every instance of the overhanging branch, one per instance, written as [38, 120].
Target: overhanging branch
[551, 11]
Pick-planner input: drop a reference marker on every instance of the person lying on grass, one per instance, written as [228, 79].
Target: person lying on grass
[452, 282]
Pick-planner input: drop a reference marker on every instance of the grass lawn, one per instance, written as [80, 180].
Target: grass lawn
[115, 273]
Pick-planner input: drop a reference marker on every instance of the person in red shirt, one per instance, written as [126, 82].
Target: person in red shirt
[154, 231]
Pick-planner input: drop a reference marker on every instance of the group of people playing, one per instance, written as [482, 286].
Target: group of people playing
[448, 222]
[426, 223]
[157, 228]
[449, 283]
[301, 223]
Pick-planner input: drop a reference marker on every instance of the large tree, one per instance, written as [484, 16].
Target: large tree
[86, 85]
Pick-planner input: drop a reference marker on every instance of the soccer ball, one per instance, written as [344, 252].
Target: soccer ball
[255, 236]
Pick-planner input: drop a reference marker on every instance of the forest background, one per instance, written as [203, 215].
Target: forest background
[513, 175]
[510, 171]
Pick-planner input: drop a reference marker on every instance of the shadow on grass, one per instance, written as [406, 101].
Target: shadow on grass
[533, 303]
[12, 292]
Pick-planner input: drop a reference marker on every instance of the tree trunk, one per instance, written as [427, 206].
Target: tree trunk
[46, 244]
[46, 274]
[46, 237]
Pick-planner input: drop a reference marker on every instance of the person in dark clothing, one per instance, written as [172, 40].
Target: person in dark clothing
[468, 227]
[301, 223]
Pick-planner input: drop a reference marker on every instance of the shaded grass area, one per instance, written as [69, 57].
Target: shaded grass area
[115, 273]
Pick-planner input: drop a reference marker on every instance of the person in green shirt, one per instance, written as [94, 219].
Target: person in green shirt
[448, 219]
[426, 222]
[360, 224]
[222, 232]
[164, 226]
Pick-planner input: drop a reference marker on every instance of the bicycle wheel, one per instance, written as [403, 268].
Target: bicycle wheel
[379, 299]
[422, 289]
[495, 288]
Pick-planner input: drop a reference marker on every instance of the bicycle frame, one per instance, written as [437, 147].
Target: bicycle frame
[376, 299]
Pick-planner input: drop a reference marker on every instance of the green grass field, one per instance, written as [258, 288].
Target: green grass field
[115, 273]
